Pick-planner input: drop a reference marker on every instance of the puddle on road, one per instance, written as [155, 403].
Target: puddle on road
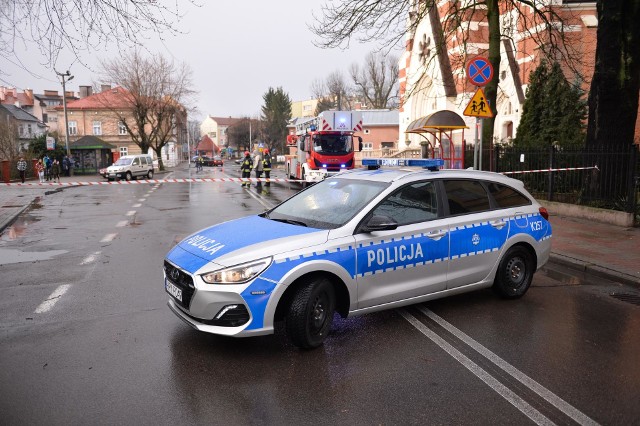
[9, 256]
[19, 228]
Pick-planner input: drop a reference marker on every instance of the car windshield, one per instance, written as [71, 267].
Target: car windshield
[123, 162]
[328, 204]
[332, 144]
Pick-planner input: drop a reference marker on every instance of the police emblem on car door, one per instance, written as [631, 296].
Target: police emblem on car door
[410, 260]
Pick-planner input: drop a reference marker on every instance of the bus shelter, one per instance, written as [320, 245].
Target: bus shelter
[443, 133]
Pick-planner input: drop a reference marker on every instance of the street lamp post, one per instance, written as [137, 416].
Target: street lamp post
[64, 107]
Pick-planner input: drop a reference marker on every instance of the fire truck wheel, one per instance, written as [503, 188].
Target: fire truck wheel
[311, 313]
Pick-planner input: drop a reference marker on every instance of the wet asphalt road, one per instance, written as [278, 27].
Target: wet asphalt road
[86, 336]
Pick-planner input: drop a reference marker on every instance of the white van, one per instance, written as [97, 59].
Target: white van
[131, 167]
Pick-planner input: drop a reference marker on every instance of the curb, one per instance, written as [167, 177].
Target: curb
[594, 269]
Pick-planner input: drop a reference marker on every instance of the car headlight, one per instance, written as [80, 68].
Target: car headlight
[237, 274]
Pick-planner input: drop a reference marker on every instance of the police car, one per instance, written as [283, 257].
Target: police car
[362, 241]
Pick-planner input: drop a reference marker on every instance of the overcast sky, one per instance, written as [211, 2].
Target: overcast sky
[236, 49]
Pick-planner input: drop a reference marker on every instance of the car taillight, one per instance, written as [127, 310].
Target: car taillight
[544, 213]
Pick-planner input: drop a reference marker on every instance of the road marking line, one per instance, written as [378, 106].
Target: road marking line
[136, 205]
[52, 299]
[545, 393]
[122, 224]
[130, 213]
[108, 238]
[142, 200]
[90, 258]
[535, 415]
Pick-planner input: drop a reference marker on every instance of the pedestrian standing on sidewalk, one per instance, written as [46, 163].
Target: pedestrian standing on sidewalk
[65, 166]
[47, 167]
[22, 168]
[40, 170]
[55, 170]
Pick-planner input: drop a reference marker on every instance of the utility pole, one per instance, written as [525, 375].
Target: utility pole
[64, 106]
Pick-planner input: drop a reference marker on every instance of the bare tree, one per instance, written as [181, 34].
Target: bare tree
[388, 21]
[9, 142]
[156, 92]
[333, 92]
[81, 26]
[377, 81]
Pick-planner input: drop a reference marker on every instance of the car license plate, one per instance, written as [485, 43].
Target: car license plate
[173, 290]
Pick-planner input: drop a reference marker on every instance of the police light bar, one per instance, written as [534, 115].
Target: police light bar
[427, 163]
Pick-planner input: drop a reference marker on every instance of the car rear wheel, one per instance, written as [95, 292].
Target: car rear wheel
[515, 273]
[311, 313]
[150, 174]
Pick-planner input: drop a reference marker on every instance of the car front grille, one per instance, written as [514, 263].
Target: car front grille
[182, 280]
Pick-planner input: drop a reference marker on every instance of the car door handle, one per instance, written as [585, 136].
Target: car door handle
[498, 224]
[436, 235]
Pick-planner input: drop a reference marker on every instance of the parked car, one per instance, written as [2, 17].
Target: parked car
[359, 242]
[131, 167]
[217, 161]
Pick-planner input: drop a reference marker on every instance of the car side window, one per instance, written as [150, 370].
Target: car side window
[506, 197]
[136, 161]
[410, 204]
[466, 196]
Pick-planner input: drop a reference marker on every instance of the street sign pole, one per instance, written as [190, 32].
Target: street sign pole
[475, 146]
[479, 73]
[480, 156]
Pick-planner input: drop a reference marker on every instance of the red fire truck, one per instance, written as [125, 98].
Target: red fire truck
[324, 145]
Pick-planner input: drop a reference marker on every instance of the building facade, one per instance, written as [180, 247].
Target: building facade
[98, 115]
[434, 79]
[216, 128]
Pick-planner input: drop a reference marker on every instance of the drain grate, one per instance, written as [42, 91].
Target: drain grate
[634, 299]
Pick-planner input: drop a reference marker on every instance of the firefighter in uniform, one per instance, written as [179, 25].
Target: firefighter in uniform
[266, 166]
[246, 167]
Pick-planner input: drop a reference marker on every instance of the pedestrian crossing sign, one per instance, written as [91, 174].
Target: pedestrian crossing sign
[478, 106]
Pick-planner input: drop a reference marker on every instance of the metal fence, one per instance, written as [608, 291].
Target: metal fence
[596, 177]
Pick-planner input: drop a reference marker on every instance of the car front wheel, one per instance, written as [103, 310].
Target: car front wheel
[311, 313]
[515, 273]
[128, 176]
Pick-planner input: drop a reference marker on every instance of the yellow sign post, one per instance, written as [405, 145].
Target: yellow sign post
[478, 106]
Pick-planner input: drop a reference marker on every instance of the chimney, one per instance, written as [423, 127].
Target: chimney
[85, 91]
[29, 94]
[105, 87]
[51, 93]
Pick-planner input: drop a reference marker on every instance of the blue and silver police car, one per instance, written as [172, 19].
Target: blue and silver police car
[362, 241]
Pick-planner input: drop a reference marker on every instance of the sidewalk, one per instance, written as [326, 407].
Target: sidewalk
[609, 251]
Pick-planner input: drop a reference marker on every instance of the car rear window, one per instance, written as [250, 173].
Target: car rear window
[506, 197]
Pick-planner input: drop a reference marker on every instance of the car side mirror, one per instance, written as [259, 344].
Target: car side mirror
[379, 223]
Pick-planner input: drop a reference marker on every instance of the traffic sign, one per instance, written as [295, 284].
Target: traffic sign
[479, 71]
[478, 106]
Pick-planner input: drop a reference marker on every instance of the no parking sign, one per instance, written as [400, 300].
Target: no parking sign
[479, 71]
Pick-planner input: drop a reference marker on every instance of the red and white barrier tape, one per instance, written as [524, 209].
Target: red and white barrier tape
[145, 181]
[237, 180]
[550, 170]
